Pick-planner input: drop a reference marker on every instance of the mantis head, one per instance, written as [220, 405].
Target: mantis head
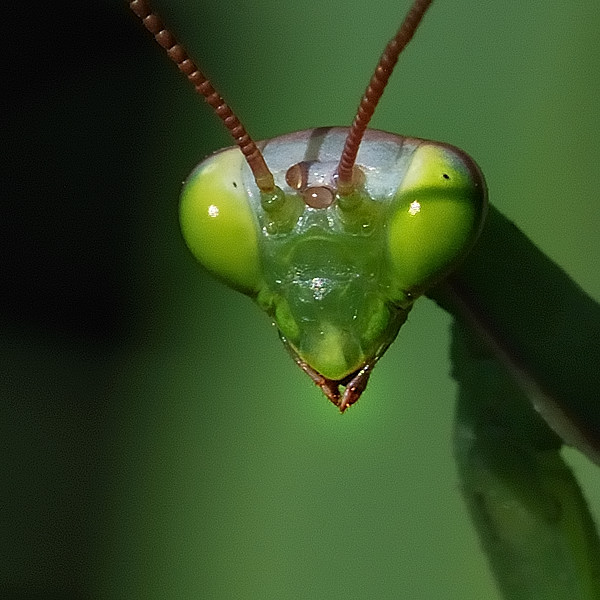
[334, 232]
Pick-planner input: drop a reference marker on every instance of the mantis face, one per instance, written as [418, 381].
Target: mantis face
[338, 275]
[334, 232]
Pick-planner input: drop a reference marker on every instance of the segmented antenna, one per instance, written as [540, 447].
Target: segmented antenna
[374, 91]
[176, 52]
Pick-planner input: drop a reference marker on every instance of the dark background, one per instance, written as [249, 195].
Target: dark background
[157, 440]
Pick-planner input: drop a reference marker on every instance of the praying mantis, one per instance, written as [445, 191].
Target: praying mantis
[456, 296]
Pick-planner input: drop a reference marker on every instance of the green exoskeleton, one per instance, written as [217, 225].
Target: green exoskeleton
[334, 232]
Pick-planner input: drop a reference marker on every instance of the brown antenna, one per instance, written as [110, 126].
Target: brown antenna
[374, 91]
[176, 52]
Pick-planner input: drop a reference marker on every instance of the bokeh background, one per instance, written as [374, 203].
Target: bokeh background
[157, 441]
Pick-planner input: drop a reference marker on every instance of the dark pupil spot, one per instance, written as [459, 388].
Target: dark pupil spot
[234, 184]
[446, 176]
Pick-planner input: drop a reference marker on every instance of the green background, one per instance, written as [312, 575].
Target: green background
[159, 442]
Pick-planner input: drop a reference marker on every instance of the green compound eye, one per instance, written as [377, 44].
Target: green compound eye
[438, 212]
[218, 222]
